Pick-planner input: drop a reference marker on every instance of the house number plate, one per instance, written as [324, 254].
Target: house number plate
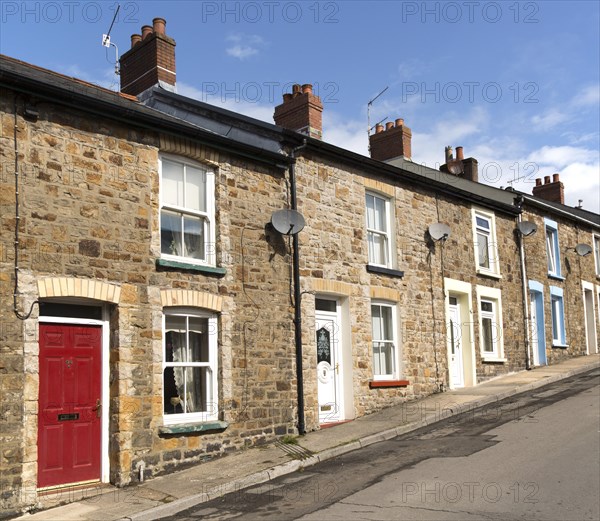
[67, 417]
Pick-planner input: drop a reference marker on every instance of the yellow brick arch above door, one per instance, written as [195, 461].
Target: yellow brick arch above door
[75, 287]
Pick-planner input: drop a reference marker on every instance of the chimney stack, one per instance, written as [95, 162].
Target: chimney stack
[553, 191]
[150, 60]
[461, 167]
[301, 111]
[394, 141]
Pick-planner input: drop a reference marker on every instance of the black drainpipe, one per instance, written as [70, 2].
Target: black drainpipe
[297, 296]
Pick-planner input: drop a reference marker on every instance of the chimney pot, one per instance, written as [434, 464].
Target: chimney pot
[448, 152]
[135, 39]
[301, 111]
[158, 25]
[399, 122]
[538, 181]
[150, 60]
[550, 191]
[384, 146]
[146, 31]
[459, 153]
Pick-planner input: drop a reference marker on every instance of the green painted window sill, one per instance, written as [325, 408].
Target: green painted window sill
[219, 272]
[183, 428]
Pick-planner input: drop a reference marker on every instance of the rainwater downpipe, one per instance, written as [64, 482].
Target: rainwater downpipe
[16, 311]
[297, 295]
[525, 290]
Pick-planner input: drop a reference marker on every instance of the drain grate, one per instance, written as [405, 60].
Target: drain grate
[295, 451]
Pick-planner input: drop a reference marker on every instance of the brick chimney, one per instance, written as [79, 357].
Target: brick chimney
[550, 191]
[461, 167]
[150, 60]
[393, 142]
[301, 111]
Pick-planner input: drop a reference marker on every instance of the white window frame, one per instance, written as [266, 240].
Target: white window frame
[212, 412]
[552, 248]
[596, 248]
[208, 216]
[394, 341]
[557, 315]
[494, 296]
[492, 249]
[387, 234]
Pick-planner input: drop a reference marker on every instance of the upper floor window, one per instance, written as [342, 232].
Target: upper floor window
[552, 248]
[190, 365]
[379, 230]
[385, 341]
[486, 250]
[187, 220]
[596, 241]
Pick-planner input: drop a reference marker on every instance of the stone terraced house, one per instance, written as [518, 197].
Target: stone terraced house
[155, 313]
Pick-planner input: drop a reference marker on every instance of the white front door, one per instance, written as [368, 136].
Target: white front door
[535, 347]
[456, 347]
[329, 367]
[590, 322]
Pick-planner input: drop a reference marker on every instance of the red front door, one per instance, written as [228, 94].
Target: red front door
[69, 423]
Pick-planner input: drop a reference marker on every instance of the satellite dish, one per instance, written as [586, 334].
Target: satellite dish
[583, 250]
[439, 231]
[455, 167]
[527, 228]
[287, 222]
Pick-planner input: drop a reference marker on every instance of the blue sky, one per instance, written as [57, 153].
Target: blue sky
[515, 83]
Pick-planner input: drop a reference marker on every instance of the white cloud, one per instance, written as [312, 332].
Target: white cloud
[587, 96]
[243, 45]
[549, 120]
[348, 134]
[562, 156]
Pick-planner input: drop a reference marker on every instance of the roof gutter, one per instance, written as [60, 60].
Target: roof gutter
[396, 173]
[140, 117]
[541, 204]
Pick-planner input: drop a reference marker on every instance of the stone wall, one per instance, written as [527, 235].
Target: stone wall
[333, 261]
[89, 211]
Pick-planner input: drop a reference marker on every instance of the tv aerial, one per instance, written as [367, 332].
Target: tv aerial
[369, 127]
[107, 43]
[287, 222]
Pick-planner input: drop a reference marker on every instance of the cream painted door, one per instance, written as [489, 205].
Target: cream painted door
[328, 362]
[456, 348]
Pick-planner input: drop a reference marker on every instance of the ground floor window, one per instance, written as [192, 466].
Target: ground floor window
[385, 341]
[190, 366]
[559, 337]
[491, 335]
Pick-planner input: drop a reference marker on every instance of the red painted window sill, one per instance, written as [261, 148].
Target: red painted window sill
[374, 384]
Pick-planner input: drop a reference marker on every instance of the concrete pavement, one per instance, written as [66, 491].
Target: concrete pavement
[169, 494]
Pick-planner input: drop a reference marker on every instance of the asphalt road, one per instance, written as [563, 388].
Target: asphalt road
[535, 456]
